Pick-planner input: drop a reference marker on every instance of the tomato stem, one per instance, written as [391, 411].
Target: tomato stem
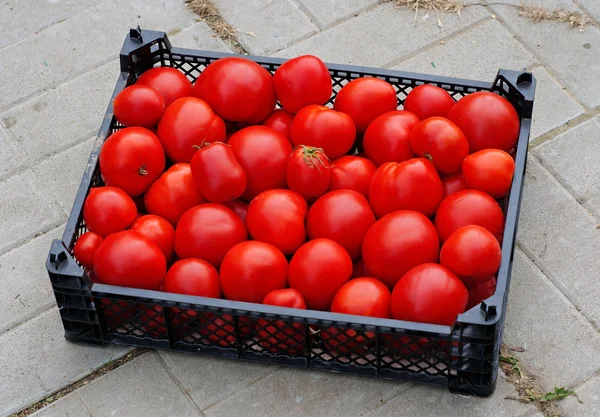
[312, 157]
[428, 156]
[142, 171]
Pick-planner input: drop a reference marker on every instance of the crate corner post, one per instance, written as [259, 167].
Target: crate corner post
[138, 49]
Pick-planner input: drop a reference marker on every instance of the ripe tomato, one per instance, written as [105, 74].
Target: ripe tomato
[187, 123]
[239, 207]
[207, 232]
[287, 297]
[132, 159]
[469, 207]
[158, 230]
[429, 293]
[237, 89]
[481, 291]
[193, 277]
[321, 127]
[359, 269]
[277, 217]
[440, 141]
[308, 172]
[277, 335]
[487, 120]
[263, 154]
[318, 269]
[472, 253]
[343, 216]
[251, 270]
[108, 210]
[281, 121]
[217, 173]
[363, 297]
[173, 193]
[409, 185]
[397, 243]
[364, 99]
[129, 259]
[386, 138]
[138, 105]
[302, 81]
[170, 83]
[427, 101]
[351, 172]
[453, 183]
[85, 248]
[490, 171]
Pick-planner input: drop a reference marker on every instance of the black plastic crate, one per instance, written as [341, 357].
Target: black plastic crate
[463, 357]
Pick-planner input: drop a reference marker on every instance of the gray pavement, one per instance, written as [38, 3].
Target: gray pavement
[58, 65]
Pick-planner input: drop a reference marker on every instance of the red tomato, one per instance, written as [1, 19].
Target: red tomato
[440, 141]
[281, 121]
[251, 270]
[318, 269]
[263, 153]
[302, 81]
[287, 297]
[487, 120]
[386, 138]
[207, 232]
[364, 99]
[217, 173]
[453, 183]
[308, 172]
[343, 216]
[129, 259]
[481, 291]
[85, 248]
[472, 253]
[277, 335]
[187, 124]
[359, 269]
[363, 297]
[132, 159]
[321, 127]
[158, 230]
[352, 173]
[490, 171]
[429, 293]
[108, 210]
[239, 207]
[170, 83]
[469, 207]
[138, 105]
[277, 217]
[409, 185]
[173, 193]
[397, 243]
[237, 89]
[427, 101]
[193, 277]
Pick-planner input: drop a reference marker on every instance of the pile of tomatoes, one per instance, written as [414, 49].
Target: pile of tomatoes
[211, 191]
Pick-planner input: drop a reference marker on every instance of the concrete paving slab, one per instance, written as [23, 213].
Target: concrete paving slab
[562, 239]
[264, 27]
[380, 36]
[328, 12]
[199, 36]
[16, 16]
[62, 117]
[139, 388]
[10, 155]
[26, 209]
[561, 347]
[573, 159]
[38, 361]
[77, 45]
[587, 402]
[26, 290]
[210, 380]
[298, 392]
[69, 406]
